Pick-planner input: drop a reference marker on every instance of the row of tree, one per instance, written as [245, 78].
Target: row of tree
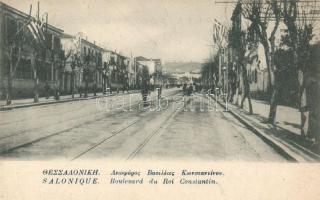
[262, 20]
[34, 38]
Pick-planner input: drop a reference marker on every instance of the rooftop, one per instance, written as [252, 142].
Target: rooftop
[24, 15]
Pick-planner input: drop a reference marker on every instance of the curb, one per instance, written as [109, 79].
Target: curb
[291, 153]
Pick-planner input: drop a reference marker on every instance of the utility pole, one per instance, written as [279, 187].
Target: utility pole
[38, 11]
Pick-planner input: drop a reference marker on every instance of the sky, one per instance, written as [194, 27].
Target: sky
[172, 30]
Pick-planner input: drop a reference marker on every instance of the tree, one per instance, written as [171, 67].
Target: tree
[241, 43]
[61, 66]
[72, 55]
[39, 49]
[209, 72]
[260, 14]
[299, 34]
[86, 70]
[18, 38]
[38, 56]
[75, 61]
[244, 57]
[105, 71]
[13, 51]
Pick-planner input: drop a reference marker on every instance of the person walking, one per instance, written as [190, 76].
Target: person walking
[190, 90]
[184, 88]
[47, 90]
[144, 93]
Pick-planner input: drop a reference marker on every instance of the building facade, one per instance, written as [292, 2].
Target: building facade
[67, 64]
[13, 27]
[83, 67]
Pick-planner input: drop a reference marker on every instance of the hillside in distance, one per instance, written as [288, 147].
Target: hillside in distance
[182, 66]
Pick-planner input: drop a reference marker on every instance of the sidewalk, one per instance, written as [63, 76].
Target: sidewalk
[287, 118]
[284, 136]
[22, 103]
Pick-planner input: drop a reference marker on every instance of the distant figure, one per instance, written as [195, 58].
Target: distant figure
[47, 90]
[159, 90]
[80, 90]
[184, 88]
[144, 93]
[56, 92]
[95, 87]
[190, 90]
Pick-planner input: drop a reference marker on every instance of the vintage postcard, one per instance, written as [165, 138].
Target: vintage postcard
[159, 99]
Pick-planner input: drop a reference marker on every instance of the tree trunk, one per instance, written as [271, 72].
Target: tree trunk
[242, 100]
[9, 87]
[242, 89]
[104, 85]
[301, 90]
[272, 81]
[302, 103]
[35, 79]
[36, 88]
[72, 84]
[273, 103]
[273, 106]
[109, 84]
[9, 92]
[246, 91]
[58, 86]
[250, 104]
[236, 100]
[86, 85]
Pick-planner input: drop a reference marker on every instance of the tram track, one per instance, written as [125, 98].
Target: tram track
[122, 130]
[65, 121]
[114, 133]
[53, 134]
[38, 139]
[149, 137]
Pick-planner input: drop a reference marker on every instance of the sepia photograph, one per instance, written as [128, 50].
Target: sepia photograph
[159, 99]
[160, 80]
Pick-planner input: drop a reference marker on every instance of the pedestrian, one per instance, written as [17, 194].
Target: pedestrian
[190, 90]
[184, 89]
[95, 87]
[47, 90]
[56, 92]
[144, 93]
[80, 90]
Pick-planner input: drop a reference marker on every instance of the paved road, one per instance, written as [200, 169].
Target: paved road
[181, 128]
